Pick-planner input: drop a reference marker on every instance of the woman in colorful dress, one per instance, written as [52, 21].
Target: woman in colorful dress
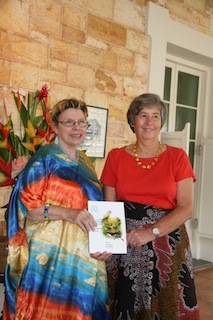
[50, 273]
[154, 281]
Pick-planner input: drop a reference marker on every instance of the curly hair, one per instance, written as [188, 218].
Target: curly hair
[66, 104]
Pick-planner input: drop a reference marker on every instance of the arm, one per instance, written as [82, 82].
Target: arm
[173, 220]
[109, 193]
[81, 217]
[183, 210]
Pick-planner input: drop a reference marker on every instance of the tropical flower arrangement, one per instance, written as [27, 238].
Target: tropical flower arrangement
[35, 131]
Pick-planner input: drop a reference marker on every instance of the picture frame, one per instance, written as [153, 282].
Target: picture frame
[95, 141]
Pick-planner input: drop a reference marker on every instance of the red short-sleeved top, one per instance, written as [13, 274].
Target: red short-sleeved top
[156, 186]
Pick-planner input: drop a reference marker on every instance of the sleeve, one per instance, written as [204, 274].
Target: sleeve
[109, 174]
[183, 167]
[23, 198]
[35, 180]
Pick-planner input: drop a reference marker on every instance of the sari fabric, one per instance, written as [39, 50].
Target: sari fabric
[50, 273]
[156, 281]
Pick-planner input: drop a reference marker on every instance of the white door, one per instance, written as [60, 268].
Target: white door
[184, 88]
[179, 139]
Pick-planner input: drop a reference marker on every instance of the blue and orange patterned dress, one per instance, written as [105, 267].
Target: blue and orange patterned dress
[50, 273]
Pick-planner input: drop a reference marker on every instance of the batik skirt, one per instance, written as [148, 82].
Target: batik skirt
[156, 281]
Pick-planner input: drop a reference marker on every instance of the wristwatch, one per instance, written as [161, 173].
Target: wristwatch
[156, 232]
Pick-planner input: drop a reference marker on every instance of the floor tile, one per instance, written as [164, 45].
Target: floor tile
[204, 289]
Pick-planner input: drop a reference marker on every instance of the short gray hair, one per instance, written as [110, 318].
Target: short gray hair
[146, 100]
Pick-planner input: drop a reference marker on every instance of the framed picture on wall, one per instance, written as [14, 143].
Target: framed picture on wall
[95, 141]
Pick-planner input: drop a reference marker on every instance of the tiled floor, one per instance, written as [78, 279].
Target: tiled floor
[204, 288]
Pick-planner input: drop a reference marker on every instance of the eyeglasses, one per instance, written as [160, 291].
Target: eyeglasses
[71, 123]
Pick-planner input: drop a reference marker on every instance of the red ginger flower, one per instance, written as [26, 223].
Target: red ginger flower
[43, 93]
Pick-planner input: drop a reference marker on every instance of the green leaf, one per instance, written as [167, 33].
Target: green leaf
[13, 140]
[23, 112]
[37, 121]
[21, 150]
[43, 124]
[5, 154]
[32, 104]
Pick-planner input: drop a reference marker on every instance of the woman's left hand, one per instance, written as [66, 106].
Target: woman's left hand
[102, 256]
[136, 238]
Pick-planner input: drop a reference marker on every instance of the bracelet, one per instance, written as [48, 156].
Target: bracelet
[46, 214]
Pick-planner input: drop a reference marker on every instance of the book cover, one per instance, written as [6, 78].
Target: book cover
[110, 233]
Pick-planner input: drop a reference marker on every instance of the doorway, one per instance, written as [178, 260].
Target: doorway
[184, 89]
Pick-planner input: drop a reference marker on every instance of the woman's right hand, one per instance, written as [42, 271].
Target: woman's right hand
[82, 218]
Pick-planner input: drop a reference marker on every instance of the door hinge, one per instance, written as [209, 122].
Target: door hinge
[195, 223]
[200, 150]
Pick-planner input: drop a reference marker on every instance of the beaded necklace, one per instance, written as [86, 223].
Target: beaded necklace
[148, 166]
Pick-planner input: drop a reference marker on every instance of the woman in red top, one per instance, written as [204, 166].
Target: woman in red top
[155, 279]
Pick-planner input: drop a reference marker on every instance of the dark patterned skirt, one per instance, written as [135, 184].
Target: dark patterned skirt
[156, 281]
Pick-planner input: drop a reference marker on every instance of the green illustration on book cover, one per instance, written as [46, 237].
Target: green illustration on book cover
[111, 226]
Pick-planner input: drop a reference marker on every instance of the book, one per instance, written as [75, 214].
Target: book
[110, 233]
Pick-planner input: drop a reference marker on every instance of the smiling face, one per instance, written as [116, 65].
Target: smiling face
[147, 123]
[70, 137]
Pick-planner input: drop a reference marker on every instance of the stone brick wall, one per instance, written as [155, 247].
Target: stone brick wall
[88, 49]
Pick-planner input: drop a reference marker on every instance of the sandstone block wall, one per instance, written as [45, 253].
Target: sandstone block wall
[94, 50]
